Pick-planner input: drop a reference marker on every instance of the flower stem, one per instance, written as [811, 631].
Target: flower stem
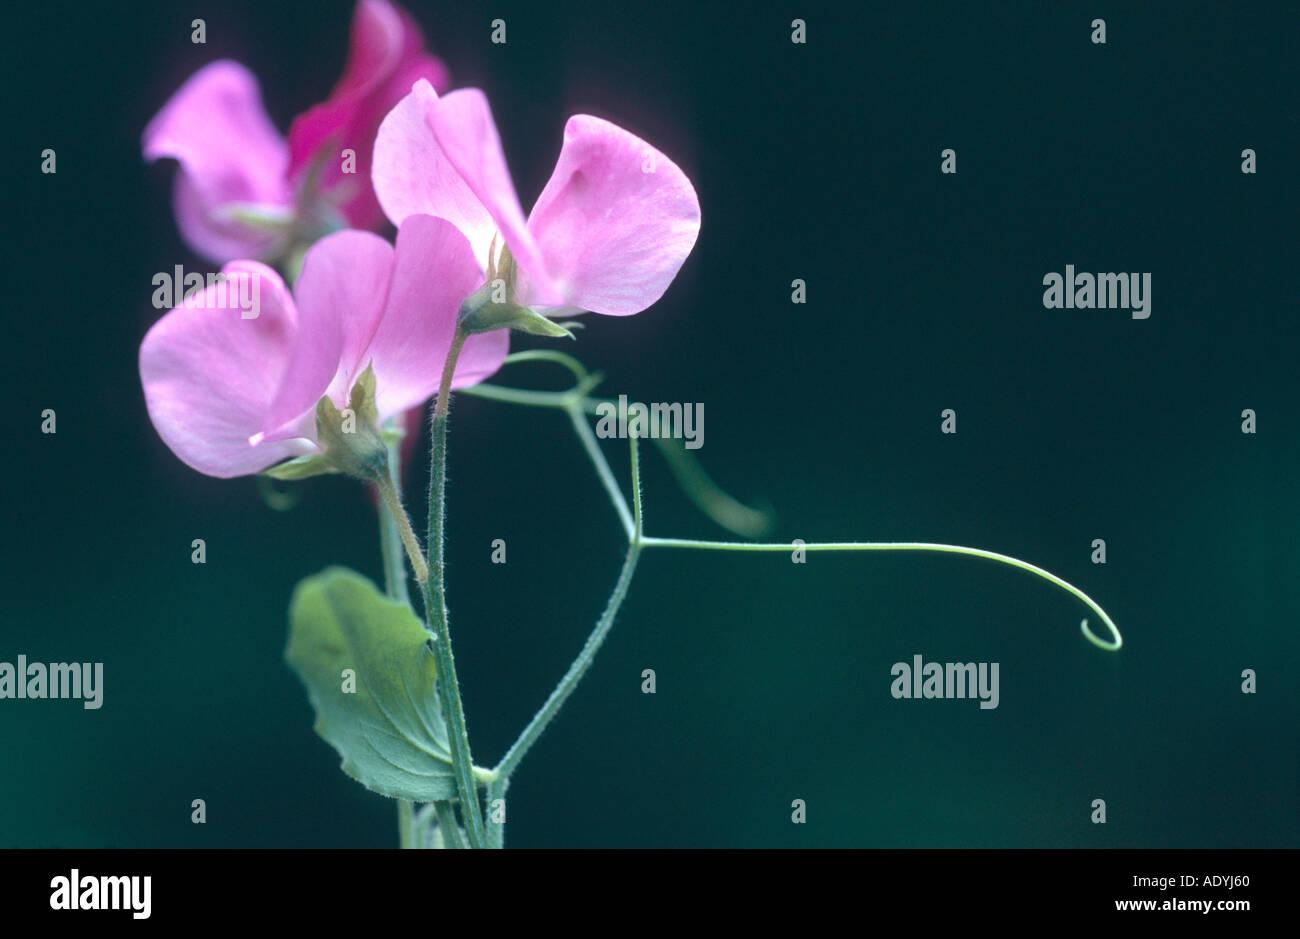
[447, 825]
[390, 539]
[433, 592]
[390, 546]
[402, 525]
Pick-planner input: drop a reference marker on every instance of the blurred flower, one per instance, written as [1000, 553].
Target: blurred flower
[232, 395]
[242, 191]
[386, 57]
[608, 233]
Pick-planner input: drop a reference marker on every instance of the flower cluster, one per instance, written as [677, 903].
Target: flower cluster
[232, 395]
[243, 190]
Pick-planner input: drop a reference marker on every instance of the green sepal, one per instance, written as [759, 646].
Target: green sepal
[301, 467]
[508, 316]
[388, 730]
[482, 314]
[353, 443]
[362, 398]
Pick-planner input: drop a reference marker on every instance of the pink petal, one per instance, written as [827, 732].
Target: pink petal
[615, 222]
[385, 58]
[434, 270]
[340, 298]
[412, 175]
[209, 375]
[230, 154]
[462, 123]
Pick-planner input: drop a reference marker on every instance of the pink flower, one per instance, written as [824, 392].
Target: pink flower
[232, 394]
[608, 233]
[242, 190]
[231, 160]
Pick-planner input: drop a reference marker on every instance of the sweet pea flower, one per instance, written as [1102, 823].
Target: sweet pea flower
[242, 190]
[233, 395]
[608, 233]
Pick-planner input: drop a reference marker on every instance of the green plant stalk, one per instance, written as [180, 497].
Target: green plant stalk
[447, 825]
[390, 545]
[578, 668]
[406, 835]
[588, 438]
[433, 592]
[577, 405]
[638, 540]
[401, 524]
[390, 539]
[496, 831]
[393, 549]
[694, 482]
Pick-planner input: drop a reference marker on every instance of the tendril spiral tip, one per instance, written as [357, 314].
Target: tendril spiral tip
[1111, 645]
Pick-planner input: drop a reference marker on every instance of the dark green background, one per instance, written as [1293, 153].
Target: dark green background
[817, 161]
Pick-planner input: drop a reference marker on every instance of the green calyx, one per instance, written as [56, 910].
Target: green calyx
[480, 313]
[302, 467]
[493, 305]
[350, 440]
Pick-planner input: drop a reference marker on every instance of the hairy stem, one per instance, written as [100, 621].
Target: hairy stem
[447, 825]
[390, 546]
[576, 670]
[587, 655]
[433, 592]
[402, 524]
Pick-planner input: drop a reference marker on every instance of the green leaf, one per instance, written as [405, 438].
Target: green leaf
[389, 731]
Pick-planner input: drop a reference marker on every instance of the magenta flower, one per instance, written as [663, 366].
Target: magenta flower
[608, 233]
[242, 190]
[232, 394]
